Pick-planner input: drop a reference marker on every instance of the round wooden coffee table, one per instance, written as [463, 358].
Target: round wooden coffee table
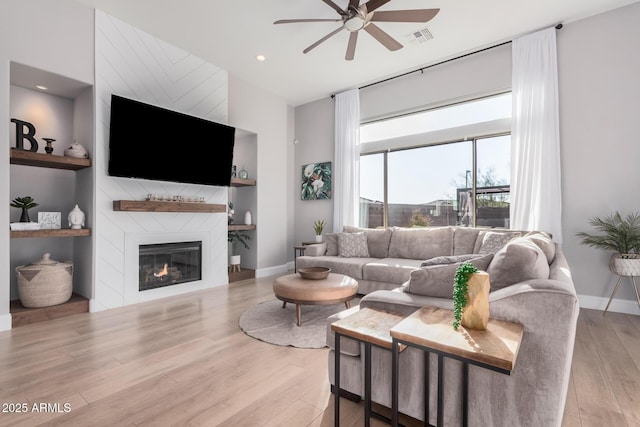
[335, 289]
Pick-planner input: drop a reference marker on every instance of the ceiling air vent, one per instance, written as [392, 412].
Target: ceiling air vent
[419, 36]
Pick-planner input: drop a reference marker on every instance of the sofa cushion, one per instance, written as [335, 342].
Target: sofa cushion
[377, 239]
[449, 259]
[390, 270]
[332, 244]
[492, 241]
[353, 245]
[517, 261]
[351, 267]
[464, 240]
[544, 242]
[437, 280]
[421, 243]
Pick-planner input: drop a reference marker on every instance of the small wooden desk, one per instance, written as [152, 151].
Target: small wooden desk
[431, 329]
[370, 327]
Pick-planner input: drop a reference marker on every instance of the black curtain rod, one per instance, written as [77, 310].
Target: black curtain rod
[558, 27]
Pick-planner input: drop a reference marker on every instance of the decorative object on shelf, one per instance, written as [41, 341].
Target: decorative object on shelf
[622, 236]
[316, 181]
[29, 135]
[24, 226]
[230, 214]
[24, 203]
[76, 218]
[247, 218]
[235, 237]
[318, 226]
[314, 273]
[45, 282]
[234, 173]
[48, 148]
[470, 297]
[50, 220]
[243, 174]
[76, 150]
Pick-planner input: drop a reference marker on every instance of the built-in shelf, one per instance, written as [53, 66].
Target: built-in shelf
[29, 158]
[241, 227]
[61, 232]
[156, 206]
[237, 182]
[21, 315]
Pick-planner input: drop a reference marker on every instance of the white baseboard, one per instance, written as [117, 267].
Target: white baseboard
[5, 322]
[617, 305]
[270, 271]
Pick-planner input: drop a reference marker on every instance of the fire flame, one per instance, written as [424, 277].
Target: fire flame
[163, 272]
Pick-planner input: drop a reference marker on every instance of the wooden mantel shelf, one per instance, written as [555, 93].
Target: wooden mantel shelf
[29, 158]
[156, 206]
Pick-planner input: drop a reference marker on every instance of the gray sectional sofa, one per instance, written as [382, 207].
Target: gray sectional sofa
[530, 284]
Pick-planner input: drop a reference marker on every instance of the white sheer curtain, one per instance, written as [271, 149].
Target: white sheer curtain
[536, 202]
[346, 171]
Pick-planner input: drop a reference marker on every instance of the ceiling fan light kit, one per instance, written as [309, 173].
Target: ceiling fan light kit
[358, 17]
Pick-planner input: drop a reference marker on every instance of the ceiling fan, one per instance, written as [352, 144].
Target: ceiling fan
[358, 17]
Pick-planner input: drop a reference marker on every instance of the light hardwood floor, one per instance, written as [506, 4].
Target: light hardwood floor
[184, 361]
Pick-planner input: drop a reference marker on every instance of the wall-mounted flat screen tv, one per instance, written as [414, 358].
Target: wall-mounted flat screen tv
[150, 142]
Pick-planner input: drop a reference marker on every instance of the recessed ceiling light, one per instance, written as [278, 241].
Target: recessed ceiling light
[41, 87]
[261, 58]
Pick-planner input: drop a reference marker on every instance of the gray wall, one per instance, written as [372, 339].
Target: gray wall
[598, 65]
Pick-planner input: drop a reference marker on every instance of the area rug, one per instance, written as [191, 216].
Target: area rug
[271, 323]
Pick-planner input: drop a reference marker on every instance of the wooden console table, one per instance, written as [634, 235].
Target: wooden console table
[431, 329]
[370, 327]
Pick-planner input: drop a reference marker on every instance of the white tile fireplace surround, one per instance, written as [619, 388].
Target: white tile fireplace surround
[132, 242]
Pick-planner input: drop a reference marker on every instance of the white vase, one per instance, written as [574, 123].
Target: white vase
[234, 260]
[247, 218]
[76, 218]
[318, 238]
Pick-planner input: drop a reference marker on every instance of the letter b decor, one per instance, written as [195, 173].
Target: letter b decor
[30, 135]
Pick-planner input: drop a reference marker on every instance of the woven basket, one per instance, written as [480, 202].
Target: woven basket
[625, 264]
[45, 282]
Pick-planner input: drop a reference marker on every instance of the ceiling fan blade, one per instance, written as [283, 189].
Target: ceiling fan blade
[293, 21]
[353, 4]
[334, 32]
[415, 15]
[335, 7]
[374, 4]
[351, 47]
[384, 38]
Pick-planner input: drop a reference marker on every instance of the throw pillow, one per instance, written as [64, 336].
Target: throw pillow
[544, 242]
[519, 260]
[494, 240]
[353, 245]
[449, 259]
[437, 280]
[332, 244]
[377, 239]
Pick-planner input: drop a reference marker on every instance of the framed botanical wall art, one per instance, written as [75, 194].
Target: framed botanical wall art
[316, 181]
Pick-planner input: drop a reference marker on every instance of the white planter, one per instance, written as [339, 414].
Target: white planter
[234, 260]
[625, 264]
[318, 238]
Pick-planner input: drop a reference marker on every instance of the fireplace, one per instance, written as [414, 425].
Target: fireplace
[166, 264]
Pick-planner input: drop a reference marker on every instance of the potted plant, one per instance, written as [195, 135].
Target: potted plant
[470, 297]
[318, 226]
[234, 237]
[620, 235]
[24, 203]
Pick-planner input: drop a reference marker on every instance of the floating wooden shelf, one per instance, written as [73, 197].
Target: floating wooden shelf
[237, 182]
[29, 158]
[241, 227]
[21, 315]
[62, 232]
[155, 206]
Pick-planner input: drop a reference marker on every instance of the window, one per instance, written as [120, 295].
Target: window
[410, 178]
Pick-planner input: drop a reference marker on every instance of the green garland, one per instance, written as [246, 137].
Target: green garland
[460, 290]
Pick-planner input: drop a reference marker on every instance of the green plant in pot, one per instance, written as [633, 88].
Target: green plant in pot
[24, 203]
[318, 227]
[235, 237]
[621, 235]
[470, 297]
